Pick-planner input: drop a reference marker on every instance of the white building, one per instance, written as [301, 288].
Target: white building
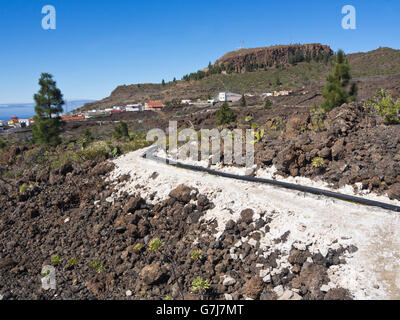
[3, 123]
[186, 102]
[24, 123]
[133, 107]
[266, 95]
[229, 97]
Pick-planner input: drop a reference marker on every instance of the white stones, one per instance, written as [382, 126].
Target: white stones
[228, 281]
[1, 297]
[66, 220]
[128, 293]
[259, 265]
[325, 288]
[300, 246]
[228, 296]
[110, 200]
[279, 290]
[290, 295]
[250, 171]
[238, 244]
[264, 273]
[252, 242]
[301, 227]
[234, 256]
[267, 279]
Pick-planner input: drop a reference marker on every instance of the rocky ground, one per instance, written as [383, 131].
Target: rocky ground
[357, 149]
[94, 222]
[40, 224]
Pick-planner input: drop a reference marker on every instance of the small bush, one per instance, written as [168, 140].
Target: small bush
[318, 116]
[23, 188]
[196, 255]
[97, 265]
[200, 285]
[72, 262]
[138, 247]
[97, 151]
[3, 143]
[55, 260]
[155, 244]
[384, 104]
[317, 162]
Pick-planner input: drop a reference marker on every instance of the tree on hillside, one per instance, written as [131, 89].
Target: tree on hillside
[121, 130]
[335, 92]
[225, 115]
[49, 102]
[267, 104]
[163, 82]
[243, 102]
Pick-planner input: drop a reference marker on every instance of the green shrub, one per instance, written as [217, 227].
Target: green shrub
[55, 260]
[243, 102]
[155, 244]
[384, 104]
[318, 116]
[196, 255]
[97, 265]
[121, 130]
[200, 285]
[317, 162]
[3, 143]
[97, 151]
[267, 104]
[225, 115]
[72, 262]
[23, 188]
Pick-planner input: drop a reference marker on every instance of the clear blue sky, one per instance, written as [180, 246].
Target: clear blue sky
[100, 44]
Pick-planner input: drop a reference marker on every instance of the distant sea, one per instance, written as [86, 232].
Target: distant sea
[27, 110]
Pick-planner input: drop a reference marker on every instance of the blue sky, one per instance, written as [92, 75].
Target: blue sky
[100, 44]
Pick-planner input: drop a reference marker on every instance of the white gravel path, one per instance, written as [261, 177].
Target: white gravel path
[373, 272]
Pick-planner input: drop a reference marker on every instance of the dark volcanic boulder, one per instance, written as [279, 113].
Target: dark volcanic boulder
[182, 193]
[154, 274]
[394, 192]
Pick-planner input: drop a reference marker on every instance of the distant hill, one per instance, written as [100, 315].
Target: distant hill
[279, 67]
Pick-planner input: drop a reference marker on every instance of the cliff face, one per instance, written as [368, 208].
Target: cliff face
[269, 56]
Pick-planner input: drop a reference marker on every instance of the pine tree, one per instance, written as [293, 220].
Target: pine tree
[267, 104]
[121, 130]
[243, 102]
[335, 93]
[225, 115]
[163, 82]
[49, 102]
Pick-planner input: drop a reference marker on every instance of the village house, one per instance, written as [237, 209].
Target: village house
[24, 123]
[14, 122]
[154, 105]
[229, 97]
[134, 107]
[282, 93]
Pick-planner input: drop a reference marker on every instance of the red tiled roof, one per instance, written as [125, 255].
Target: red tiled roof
[155, 104]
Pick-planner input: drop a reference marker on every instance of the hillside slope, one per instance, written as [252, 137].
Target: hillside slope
[383, 61]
